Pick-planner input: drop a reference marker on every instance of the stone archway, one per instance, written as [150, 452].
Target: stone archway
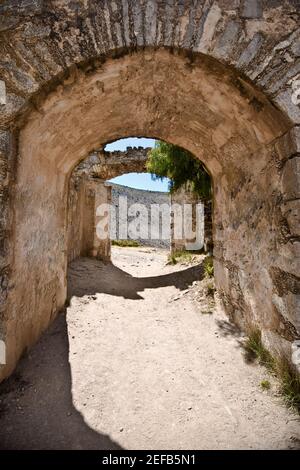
[89, 187]
[74, 79]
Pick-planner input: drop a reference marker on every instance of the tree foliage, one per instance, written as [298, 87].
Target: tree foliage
[181, 167]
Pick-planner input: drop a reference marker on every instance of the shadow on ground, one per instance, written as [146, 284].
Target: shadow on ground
[36, 408]
[109, 279]
[227, 328]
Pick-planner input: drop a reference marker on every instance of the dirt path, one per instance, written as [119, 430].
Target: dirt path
[138, 366]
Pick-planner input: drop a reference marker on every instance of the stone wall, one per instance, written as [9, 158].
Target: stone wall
[85, 195]
[86, 179]
[112, 164]
[78, 205]
[146, 199]
[189, 213]
[107, 165]
[218, 78]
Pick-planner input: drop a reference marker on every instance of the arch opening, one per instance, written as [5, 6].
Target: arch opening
[141, 214]
[221, 119]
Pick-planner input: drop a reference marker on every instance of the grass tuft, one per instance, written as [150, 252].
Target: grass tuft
[208, 266]
[256, 350]
[125, 243]
[172, 259]
[210, 289]
[180, 256]
[265, 385]
[286, 373]
[289, 383]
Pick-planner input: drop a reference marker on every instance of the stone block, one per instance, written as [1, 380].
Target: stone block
[212, 19]
[229, 4]
[5, 143]
[13, 105]
[288, 78]
[288, 144]
[290, 180]
[2, 93]
[228, 40]
[251, 9]
[288, 255]
[150, 22]
[296, 48]
[295, 134]
[285, 101]
[251, 50]
[15, 7]
[8, 22]
[291, 212]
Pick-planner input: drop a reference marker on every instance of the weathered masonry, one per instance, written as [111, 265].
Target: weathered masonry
[88, 189]
[219, 78]
[108, 165]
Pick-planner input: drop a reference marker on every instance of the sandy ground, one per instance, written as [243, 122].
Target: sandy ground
[136, 364]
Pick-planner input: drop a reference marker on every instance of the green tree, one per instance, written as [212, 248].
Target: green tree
[181, 167]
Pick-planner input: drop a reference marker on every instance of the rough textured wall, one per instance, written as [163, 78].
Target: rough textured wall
[80, 217]
[101, 244]
[101, 165]
[192, 220]
[112, 164]
[42, 39]
[86, 180]
[146, 198]
[89, 173]
[85, 194]
[76, 202]
[107, 165]
[218, 78]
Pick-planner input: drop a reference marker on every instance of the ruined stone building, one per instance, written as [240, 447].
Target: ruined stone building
[88, 188]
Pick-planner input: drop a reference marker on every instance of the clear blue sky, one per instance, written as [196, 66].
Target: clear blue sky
[137, 180]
